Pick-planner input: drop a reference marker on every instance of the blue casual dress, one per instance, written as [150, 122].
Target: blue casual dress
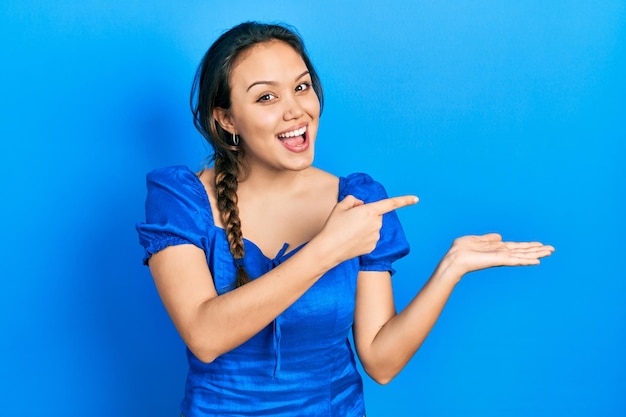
[302, 363]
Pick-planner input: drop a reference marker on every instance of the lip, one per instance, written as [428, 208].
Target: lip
[301, 147]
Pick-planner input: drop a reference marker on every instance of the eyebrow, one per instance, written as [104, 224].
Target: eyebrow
[274, 82]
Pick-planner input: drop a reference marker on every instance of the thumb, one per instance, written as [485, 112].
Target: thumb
[349, 202]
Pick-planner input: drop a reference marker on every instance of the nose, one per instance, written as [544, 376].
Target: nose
[293, 109]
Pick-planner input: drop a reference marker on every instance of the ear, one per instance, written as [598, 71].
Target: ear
[222, 116]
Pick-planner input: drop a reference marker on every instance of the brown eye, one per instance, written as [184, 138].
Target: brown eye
[266, 97]
[303, 86]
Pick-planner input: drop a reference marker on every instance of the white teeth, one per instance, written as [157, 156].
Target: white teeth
[293, 133]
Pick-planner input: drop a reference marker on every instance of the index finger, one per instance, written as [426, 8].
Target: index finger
[389, 204]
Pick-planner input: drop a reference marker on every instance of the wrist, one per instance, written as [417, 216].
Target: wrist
[449, 270]
[322, 254]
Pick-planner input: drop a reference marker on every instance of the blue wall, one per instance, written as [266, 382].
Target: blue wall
[501, 116]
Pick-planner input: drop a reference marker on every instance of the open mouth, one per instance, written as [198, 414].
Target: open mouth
[295, 140]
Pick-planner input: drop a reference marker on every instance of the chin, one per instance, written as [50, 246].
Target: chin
[303, 162]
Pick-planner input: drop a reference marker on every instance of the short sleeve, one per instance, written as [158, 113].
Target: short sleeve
[392, 244]
[177, 211]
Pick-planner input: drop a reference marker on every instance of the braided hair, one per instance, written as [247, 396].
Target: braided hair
[211, 90]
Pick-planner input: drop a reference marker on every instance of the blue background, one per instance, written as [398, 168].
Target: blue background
[501, 116]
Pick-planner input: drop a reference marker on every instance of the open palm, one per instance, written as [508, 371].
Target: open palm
[473, 253]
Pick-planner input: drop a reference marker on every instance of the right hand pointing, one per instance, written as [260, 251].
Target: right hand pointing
[353, 228]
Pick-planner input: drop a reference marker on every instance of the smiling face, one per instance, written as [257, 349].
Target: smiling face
[274, 108]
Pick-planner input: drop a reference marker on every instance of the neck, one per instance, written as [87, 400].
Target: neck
[263, 181]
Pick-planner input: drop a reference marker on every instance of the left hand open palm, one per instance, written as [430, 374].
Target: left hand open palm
[472, 253]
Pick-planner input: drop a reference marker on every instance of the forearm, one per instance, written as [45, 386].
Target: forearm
[222, 323]
[387, 350]
[398, 340]
[211, 325]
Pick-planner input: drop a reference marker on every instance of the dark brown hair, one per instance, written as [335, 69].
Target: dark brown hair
[211, 90]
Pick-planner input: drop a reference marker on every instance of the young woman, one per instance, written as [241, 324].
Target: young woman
[265, 263]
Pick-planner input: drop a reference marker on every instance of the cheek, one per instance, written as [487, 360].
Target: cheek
[312, 106]
[259, 120]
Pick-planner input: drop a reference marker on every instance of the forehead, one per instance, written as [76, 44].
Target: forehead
[268, 61]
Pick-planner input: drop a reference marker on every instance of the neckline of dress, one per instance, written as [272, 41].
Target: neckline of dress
[282, 253]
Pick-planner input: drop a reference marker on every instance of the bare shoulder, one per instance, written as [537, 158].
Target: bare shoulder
[323, 182]
[206, 175]
[207, 178]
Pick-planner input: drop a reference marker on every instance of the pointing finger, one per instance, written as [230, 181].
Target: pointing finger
[389, 204]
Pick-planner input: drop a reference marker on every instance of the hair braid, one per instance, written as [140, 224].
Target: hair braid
[226, 170]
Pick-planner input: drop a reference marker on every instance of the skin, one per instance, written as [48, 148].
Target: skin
[285, 199]
[270, 94]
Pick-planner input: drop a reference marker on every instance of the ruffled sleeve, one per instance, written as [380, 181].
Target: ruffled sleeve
[392, 244]
[177, 211]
